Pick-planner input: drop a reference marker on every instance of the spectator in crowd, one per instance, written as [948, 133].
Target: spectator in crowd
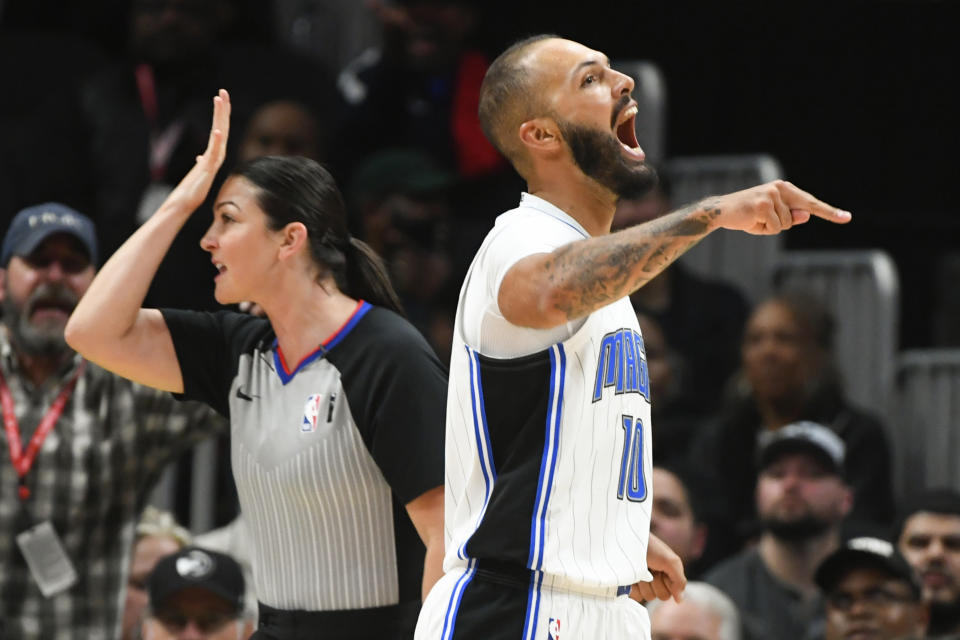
[801, 498]
[126, 134]
[705, 613]
[702, 319]
[197, 594]
[421, 88]
[787, 375]
[928, 536]
[676, 515]
[86, 446]
[675, 423]
[871, 592]
[282, 128]
[157, 535]
[401, 201]
[234, 540]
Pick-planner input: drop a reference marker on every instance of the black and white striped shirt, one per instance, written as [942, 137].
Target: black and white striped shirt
[326, 452]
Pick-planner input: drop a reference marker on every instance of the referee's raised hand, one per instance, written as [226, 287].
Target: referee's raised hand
[194, 187]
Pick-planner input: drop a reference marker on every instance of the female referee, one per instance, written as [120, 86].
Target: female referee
[336, 403]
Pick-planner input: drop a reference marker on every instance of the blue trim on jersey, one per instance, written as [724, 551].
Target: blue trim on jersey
[574, 227]
[341, 333]
[482, 434]
[533, 606]
[456, 596]
[548, 463]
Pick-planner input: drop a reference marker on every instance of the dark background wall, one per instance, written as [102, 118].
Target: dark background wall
[854, 98]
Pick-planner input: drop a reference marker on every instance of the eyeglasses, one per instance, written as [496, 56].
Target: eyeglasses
[207, 622]
[875, 598]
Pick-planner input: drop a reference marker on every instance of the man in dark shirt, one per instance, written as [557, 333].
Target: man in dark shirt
[801, 498]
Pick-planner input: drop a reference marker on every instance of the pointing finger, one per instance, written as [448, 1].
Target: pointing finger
[797, 198]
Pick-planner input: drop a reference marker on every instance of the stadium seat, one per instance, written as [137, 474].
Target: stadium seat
[744, 260]
[925, 438]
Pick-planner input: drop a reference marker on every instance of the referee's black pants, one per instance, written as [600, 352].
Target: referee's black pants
[395, 622]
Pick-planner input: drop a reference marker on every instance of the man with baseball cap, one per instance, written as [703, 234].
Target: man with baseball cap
[871, 592]
[801, 498]
[80, 449]
[196, 594]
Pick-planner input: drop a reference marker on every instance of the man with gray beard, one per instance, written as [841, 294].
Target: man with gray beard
[801, 499]
[81, 447]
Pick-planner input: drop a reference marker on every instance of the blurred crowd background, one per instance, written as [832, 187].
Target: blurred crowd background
[104, 105]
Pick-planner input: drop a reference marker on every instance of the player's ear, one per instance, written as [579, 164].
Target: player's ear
[541, 136]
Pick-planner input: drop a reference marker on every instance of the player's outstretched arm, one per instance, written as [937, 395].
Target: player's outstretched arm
[550, 289]
[108, 325]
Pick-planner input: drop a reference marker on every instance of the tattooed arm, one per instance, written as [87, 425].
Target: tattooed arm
[546, 290]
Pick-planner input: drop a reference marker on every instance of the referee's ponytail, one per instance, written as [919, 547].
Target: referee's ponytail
[367, 276]
[297, 189]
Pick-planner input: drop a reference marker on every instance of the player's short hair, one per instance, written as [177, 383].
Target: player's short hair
[713, 601]
[508, 97]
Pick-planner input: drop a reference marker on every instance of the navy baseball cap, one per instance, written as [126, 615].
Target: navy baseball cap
[35, 224]
[810, 437]
[865, 553]
[196, 568]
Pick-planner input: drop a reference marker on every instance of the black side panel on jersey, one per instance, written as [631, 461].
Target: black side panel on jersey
[515, 403]
[491, 611]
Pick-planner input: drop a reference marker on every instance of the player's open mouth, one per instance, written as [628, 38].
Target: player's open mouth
[627, 135]
[220, 268]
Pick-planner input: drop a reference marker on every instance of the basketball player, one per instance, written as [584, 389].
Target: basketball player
[335, 401]
[548, 414]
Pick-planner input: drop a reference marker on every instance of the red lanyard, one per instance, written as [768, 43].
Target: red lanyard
[23, 460]
[162, 143]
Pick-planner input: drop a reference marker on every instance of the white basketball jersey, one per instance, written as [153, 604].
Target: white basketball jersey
[548, 454]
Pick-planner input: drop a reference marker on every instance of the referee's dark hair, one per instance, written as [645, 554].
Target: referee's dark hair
[298, 189]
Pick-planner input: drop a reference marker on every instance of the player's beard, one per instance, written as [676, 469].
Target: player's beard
[599, 156]
[37, 340]
[795, 529]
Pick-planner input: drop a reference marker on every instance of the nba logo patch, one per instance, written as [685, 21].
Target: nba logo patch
[311, 411]
[553, 629]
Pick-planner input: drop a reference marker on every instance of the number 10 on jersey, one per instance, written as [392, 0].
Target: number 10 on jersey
[633, 484]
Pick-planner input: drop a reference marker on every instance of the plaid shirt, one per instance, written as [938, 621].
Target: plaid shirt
[90, 479]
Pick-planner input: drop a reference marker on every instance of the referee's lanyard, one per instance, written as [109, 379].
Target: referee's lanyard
[23, 460]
